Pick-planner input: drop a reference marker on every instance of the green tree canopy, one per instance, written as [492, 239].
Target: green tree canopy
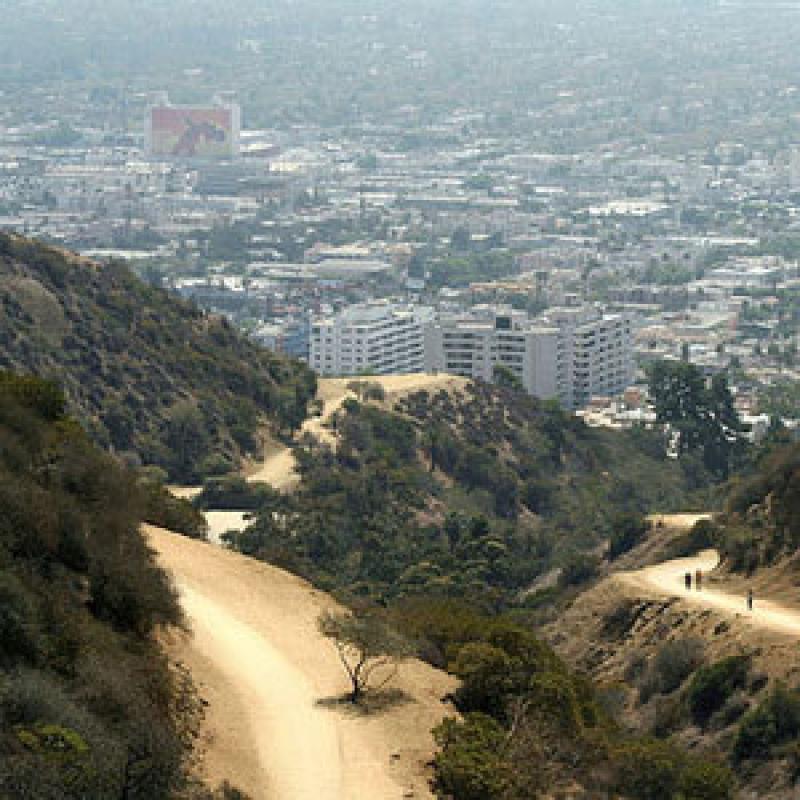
[700, 414]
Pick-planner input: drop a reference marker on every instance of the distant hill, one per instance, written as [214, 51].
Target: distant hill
[144, 372]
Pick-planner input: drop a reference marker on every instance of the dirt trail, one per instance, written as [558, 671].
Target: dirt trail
[220, 522]
[287, 731]
[277, 468]
[668, 578]
[259, 660]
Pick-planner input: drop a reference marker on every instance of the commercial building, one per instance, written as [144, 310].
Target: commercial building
[379, 337]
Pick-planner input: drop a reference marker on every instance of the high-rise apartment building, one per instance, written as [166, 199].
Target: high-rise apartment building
[379, 337]
[474, 343]
[596, 353]
[571, 354]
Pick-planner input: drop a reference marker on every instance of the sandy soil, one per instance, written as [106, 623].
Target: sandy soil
[683, 520]
[266, 672]
[668, 579]
[185, 492]
[220, 522]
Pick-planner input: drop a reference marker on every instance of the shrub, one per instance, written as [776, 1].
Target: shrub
[670, 715]
[470, 764]
[628, 530]
[648, 770]
[579, 569]
[484, 671]
[701, 536]
[232, 492]
[775, 722]
[441, 627]
[705, 780]
[735, 707]
[556, 700]
[672, 664]
[711, 686]
[742, 548]
[17, 626]
[164, 510]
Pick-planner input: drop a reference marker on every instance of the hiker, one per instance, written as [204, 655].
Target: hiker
[698, 579]
[749, 599]
[688, 580]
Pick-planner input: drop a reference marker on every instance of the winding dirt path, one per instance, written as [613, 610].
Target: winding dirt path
[260, 662]
[277, 468]
[262, 666]
[668, 579]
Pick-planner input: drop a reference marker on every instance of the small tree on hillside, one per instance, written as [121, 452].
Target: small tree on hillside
[368, 648]
[506, 378]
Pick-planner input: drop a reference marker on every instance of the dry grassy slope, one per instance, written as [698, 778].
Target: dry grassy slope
[585, 635]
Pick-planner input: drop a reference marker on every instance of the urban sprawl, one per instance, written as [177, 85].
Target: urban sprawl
[546, 244]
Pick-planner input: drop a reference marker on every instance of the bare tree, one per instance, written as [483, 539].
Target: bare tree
[368, 648]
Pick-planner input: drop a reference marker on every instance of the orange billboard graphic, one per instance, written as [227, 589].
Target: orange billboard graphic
[182, 132]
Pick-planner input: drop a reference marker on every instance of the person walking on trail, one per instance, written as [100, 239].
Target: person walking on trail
[687, 578]
[698, 579]
[749, 599]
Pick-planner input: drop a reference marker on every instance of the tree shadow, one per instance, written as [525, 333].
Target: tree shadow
[372, 701]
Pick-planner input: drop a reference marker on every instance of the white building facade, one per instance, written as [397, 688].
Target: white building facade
[572, 354]
[473, 344]
[381, 338]
[595, 356]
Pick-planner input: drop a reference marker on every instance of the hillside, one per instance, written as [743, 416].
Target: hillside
[761, 523]
[146, 373]
[90, 706]
[694, 666]
[467, 490]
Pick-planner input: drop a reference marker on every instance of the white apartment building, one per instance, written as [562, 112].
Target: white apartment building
[380, 337]
[595, 356]
[572, 354]
[474, 343]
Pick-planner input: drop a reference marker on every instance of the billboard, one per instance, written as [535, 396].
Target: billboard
[193, 132]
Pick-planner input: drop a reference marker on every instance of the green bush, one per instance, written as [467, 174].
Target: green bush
[703, 535]
[628, 530]
[17, 622]
[775, 722]
[233, 492]
[580, 568]
[485, 673]
[658, 770]
[470, 764]
[163, 509]
[711, 686]
[648, 770]
[706, 780]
